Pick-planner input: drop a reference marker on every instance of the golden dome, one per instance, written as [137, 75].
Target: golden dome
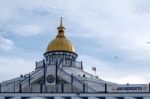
[60, 43]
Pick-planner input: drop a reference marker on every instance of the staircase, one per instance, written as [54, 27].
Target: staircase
[65, 76]
[38, 74]
[83, 87]
[32, 77]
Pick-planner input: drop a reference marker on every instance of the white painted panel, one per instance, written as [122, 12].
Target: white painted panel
[58, 98]
[146, 98]
[16, 98]
[51, 70]
[92, 98]
[129, 98]
[110, 98]
[1, 97]
[39, 64]
[75, 97]
[35, 98]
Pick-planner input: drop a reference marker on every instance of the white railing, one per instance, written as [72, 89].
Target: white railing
[39, 64]
[74, 81]
[70, 63]
[67, 88]
[36, 75]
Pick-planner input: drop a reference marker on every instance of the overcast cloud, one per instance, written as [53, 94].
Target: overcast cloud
[112, 35]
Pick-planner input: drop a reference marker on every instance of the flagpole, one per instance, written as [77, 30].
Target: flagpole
[94, 69]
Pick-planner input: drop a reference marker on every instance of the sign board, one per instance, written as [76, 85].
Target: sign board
[128, 88]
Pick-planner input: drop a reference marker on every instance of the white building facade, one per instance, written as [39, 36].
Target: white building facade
[60, 76]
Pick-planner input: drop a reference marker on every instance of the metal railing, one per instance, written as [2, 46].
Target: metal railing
[25, 86]
[67, 63]
[39, 64]
[41, 88]
[73, 80]
[30, 77]
[69, 88]
[70, 63]
[74, 85]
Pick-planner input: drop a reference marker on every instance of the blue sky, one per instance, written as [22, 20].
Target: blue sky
[100, 30]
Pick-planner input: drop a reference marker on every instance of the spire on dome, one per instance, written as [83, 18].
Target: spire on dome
[61, 19]
[61, 28]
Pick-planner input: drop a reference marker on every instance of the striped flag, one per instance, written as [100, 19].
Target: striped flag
[94, 68]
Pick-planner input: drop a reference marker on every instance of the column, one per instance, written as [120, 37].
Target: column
[84, 97]
[48, 97]
[138, 97]
[67, 97]
[119, 97]
[8, 97]
[25, 97]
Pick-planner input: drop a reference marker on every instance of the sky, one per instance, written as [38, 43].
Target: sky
[111, 35]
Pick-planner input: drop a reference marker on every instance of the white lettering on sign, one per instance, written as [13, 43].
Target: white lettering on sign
[128, 88]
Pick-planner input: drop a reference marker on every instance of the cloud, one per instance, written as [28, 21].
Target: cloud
[6, 44]
[26, 30]
[131, 80]
[116, 28]
[24, 18]
[115, 71]
[12, 67]
[6, 10]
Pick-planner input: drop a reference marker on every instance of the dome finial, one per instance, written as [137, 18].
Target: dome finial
[61, 20]
[61, 23]
[61, 28]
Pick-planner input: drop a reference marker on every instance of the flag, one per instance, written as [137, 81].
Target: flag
[94, 68]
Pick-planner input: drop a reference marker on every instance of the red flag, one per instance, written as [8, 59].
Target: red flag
[94, 68]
